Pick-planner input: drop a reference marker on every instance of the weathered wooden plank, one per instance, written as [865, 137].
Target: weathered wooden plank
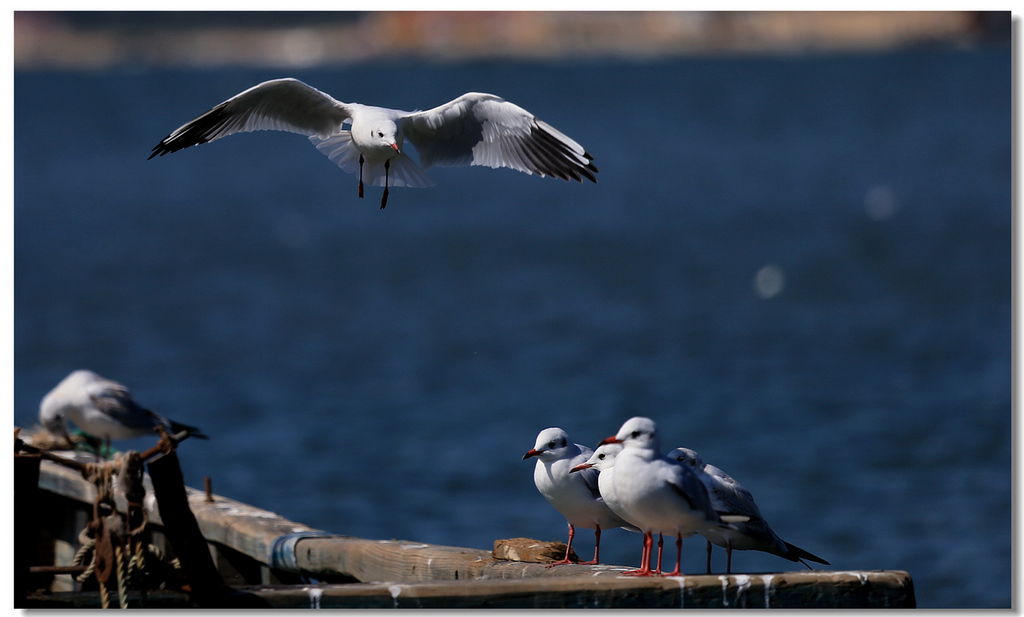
[418, 574]
[878, 589]
[183, 531]
[860, 590]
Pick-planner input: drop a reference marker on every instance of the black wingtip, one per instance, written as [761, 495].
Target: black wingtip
[799, 554]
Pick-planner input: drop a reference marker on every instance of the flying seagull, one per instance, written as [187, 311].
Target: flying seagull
[474, 129]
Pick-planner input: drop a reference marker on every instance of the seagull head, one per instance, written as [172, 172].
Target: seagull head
[384, 134]
[637, 432]
[552, 444]
[687, 457]
[51, 415]
[603, 458]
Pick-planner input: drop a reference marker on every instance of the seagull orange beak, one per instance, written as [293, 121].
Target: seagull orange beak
[612, 439]
[395, 146]
[581, 467]
[531, 453]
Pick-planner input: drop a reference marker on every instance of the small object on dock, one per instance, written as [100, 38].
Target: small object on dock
[531, 551]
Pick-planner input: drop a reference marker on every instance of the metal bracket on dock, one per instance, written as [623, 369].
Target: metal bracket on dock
[282, 551]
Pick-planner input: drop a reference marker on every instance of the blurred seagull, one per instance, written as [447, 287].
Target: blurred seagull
[103, 409]
[575, 496]
[730, 497]
[474, 129]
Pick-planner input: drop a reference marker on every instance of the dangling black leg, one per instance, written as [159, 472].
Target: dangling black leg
[384, 199]
[360, 175]
[728, 557]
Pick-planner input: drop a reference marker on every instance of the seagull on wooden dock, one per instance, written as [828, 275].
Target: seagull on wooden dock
[576, 496]
[729, 497]
[102, 408]
[657, 494]
[473, 129]
[603, 460]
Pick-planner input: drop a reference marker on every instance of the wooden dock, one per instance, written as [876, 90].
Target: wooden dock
[265, 560]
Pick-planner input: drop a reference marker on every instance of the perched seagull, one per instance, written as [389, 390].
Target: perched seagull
[603, 460]
[657, 494]
[575, 496]
[730, 497]
[103, 409]
[474, 129]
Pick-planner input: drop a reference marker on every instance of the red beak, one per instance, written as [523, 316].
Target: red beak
[395, 146]
[581, 467]
[611, 439]
[531, 453]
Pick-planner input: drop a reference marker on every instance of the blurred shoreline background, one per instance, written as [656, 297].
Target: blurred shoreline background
[96, 39]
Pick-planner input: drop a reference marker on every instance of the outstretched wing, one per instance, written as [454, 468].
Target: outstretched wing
[276, 105]
[483, 129]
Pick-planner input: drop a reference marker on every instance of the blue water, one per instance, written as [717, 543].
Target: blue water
[381, 373]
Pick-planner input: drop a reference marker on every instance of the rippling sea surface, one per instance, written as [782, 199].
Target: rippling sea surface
[798, 266]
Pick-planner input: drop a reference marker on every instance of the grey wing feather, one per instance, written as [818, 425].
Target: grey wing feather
[689, 486]
[483, 129]
[118, 404]
[736, 501]
[116, 401]
[590, 480]
[589, 476]
[276, 105]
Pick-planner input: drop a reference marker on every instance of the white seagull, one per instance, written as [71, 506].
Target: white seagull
[657, 494]
[603, 460]
[103, 409]
[730, 497]
[575, 496]
[474, 129]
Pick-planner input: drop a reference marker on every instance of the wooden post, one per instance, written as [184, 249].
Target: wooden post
[26, 523]
[182, 530]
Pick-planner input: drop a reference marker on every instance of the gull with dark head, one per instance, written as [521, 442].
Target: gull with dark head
[103, 409]
[473, 129]
[729, 497]
[575, 496]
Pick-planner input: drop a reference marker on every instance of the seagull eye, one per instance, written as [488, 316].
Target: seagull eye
[379, 134]
[636, 434]
[551, 444]
[601, 456]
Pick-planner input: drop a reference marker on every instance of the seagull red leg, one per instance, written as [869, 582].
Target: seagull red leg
[645, 566]
[597, 548]
[568, 547]
[679, 556]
